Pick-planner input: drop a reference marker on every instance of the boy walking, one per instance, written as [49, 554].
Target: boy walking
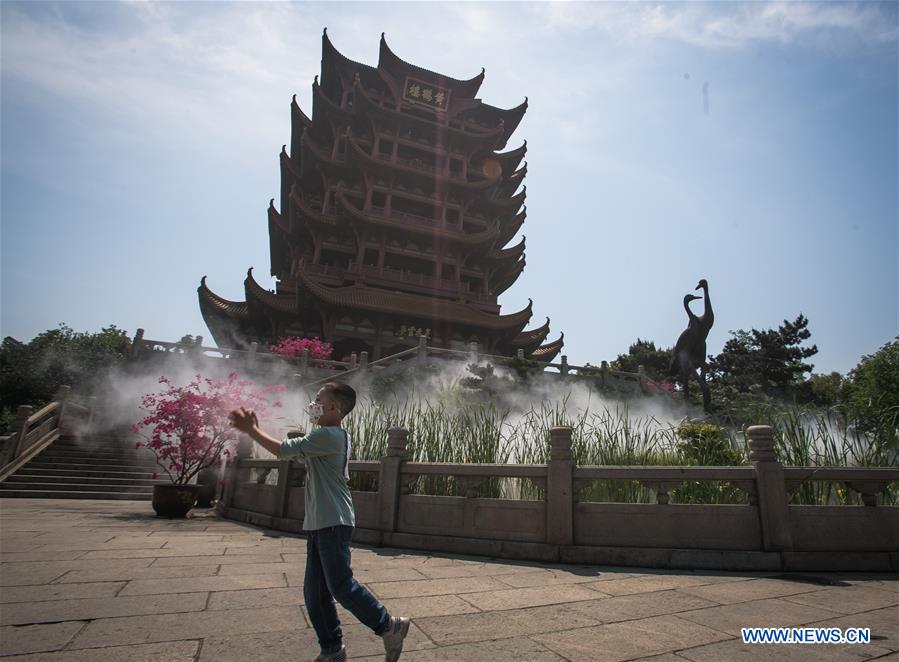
[329, 524]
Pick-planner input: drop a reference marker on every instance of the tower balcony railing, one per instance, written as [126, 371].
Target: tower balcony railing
[419, 164]
[424, 221]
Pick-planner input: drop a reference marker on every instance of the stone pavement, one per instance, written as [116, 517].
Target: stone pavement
[100, 581]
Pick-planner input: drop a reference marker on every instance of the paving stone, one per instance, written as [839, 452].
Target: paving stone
[628, 640]
[850, 600]
[432, 605]
[60, 592]
[370, 575]
[646, 583]
[884, 624]
[10, 577]
[26, 613]
[544, 578]
[39, 555]
[466, 628]
[36, 638]
[193, 584]
[735, 649]
[519, 649]
[639, 605]
[252, 598]
[516, 598]
[164, 572]
[301, 644]
[484, 570]
[189, 625]
[151, 553]
[435, 587]
[176, 651]
[221, 560]
[760, 613]
[253, 568]
[732, 592]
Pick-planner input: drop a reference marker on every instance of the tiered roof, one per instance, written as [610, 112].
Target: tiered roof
[330, 225]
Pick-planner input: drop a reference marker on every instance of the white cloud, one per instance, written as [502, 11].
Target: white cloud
[722, 25]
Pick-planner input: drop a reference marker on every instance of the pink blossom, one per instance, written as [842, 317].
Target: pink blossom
[187, 427]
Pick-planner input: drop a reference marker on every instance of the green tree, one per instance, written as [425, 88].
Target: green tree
[31, 373]
[871, 391]
[644, 352]
[770, 362]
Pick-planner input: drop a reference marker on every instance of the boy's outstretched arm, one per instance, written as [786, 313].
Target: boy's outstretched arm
[245, 420]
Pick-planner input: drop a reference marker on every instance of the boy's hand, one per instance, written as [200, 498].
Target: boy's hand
[243, 419]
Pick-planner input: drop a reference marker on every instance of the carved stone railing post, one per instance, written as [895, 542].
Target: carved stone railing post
[519, 354]
[251, 356]
[284, 484]
[197, 349]
[21, 429]
[244, 451]
[304, 361]
[559, 488]
[137, 344]
[641, 376]
[422, 355]
[363, 361]
[62, 397]
[473, 352]
[564, 369]
[604, 372]
[389, 478]
[774, 514]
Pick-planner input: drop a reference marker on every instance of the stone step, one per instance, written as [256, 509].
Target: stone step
[134, 473]
[86, 458]
[79, 478]
[75, 487]
[85, 466]
[41, 494]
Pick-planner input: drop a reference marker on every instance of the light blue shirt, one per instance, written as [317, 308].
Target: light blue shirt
[325, 451]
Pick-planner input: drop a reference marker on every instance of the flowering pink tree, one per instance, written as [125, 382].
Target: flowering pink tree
[293, 348]
[187, 427]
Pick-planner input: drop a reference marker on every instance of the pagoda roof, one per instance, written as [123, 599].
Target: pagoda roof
[487, 137]
[427, 174]
[511, 159]
[345, 67]
[510, 253]
[509, 118]
[288, 162]
[509, 185]
[529, 340]
[506, 277]
[422, 227]
[297, 113]
[308, 212]
[325, 163]
[213, 303]
[546, 353]
[398, 68]
[512, 202]
[255, 292]
[363, 297]
[510, 227]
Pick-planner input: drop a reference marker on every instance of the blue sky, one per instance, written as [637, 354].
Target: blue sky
[140, 149]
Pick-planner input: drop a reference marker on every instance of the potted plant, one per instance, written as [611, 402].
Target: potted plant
[187, 429]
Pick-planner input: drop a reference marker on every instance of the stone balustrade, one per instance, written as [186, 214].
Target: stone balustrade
[765, 533]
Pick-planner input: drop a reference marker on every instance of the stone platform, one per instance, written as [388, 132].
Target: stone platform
[101, 581]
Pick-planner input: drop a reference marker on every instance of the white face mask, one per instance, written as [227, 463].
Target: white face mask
[314, 410]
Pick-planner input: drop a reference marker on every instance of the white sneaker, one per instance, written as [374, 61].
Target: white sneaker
[393, 638]
[339, 656]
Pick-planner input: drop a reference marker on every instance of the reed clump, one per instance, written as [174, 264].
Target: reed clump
[460, 425]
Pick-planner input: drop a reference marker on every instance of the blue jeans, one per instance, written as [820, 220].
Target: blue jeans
[329, 578]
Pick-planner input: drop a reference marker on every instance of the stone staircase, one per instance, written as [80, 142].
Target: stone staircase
[93, 467]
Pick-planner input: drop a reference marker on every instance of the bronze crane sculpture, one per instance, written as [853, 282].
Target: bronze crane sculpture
[689, 351]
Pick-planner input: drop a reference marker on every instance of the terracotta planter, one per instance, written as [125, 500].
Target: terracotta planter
[171, 500]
